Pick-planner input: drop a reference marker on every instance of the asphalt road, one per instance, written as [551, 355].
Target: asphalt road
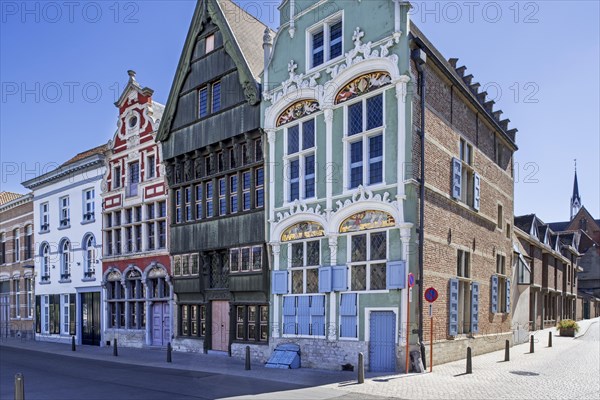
[50, 376]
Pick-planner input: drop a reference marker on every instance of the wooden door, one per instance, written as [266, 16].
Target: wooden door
[382, 343]
[220, 325]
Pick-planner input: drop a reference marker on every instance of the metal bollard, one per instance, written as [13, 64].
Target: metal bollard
[531, 345]
[115, 351]
[169, 351]
[507, 351]
[469, 361]
[361, 368]
[72, 343]
[549, 339]
[247, 358]
[19, 387]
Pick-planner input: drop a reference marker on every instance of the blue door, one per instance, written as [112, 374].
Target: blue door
[382, 341]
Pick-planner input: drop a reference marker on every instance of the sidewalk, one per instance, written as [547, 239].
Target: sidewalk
[570, 369]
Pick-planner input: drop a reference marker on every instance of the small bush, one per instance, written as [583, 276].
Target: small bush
[568, 324]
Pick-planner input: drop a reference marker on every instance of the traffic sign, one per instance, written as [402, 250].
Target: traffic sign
[411, 280]
[431, 295]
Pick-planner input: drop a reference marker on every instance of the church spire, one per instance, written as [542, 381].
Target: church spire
[575, 199]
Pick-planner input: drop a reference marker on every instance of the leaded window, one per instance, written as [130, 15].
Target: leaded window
[304, 262]
[368, 255]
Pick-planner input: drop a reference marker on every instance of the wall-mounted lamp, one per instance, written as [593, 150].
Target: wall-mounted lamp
[54, 266]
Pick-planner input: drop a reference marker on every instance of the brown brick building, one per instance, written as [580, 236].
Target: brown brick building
[16, 265]
[468, 209]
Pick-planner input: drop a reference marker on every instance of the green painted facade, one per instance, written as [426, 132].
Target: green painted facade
[386, 28]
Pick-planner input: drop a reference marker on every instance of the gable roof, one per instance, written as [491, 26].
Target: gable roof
[6, 197]
[241, 41]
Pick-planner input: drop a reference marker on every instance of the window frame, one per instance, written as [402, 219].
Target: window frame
[324, 26]
[364, 135]
[304, 267]
[64, 206]
[301, 155]
[44, 217]
[208, 49]
[244, 322]
[368, 262]
[17, 245]
[150, 167]
[89, 206]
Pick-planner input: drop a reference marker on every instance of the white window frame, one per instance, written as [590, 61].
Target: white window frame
[364, 136]
[17, 244]
[300, 155]
[130, 183]
[464, 277]
[65, 259]
[467, 157]
[90, 256]
[29, 294]
[64, 326]
[368, 262]
[150, 168]
[502, 279]
[46, 326]
[64, 216]
[17, 291]
[44, 217]
[324, 26]
[89, 208]
[116, 177]
[45, 261]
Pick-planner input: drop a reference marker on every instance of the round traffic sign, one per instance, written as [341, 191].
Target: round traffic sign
[431, 295]
[411, 280]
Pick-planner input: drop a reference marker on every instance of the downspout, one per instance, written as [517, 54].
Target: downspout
[420, 58]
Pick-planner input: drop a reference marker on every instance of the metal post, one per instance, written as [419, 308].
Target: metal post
[469, 361]
[247, 358]
[430, 341]
[115, 351]
[507, 351]
[72, 343]
[549, 339]
[19, 387]
[531, 345]
[407, 331]
[361, 368]
[169, 350]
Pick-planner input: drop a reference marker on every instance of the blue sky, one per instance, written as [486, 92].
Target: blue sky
[62, 65]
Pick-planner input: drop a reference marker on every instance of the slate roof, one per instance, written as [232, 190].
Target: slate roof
[248, 32]
[559, 226]
[85, 154]
[524, 222]
[6, 197]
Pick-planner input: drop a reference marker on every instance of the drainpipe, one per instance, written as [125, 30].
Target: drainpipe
[420, 58]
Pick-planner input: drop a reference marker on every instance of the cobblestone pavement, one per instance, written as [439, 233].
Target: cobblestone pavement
[568, 370]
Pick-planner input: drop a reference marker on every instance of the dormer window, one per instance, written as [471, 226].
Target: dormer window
[326, 42]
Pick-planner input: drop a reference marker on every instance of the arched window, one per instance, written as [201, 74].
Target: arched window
[157, 284]
[65, 260]
[115, 297]
[45, 261]
[89, 256]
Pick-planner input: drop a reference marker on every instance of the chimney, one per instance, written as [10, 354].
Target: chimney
[453, 61]
[461, 71]
[489, 105]
[504, 123]
[468, 79]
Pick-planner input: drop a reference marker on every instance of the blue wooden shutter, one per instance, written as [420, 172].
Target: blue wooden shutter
[317, 313]
[476, 191]
[348, 314]
[325, 279]
[303, 315]
[456, 178]
[453, 310]
[494, 294]
[279, 282]
[289, 315]
[395, 275]
[508, 295]
[339, 278]
[474, 307]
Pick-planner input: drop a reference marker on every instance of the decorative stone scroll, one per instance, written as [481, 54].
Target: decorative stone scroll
[363, 84]
[302, 230]
[364, 220]
[114, 276]
[297, 110]
[156, 272]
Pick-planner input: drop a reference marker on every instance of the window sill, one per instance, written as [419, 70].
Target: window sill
[291, 335]
[260, 343]
[44, 231]
[65, 280]
[63, 227]
[89, 221]
[92, 279]
[45, 282]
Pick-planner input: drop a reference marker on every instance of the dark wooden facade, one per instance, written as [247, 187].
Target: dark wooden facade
[213, 153]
